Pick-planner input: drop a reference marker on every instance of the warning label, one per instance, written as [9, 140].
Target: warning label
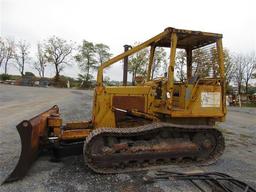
[210, 99]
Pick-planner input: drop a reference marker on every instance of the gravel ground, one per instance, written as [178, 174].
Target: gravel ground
[18, 103]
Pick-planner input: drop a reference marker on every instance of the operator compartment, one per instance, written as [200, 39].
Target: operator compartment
[199, 99]
[197, 89]
[193, 85]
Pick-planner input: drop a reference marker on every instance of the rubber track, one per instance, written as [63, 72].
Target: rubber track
[218, 151]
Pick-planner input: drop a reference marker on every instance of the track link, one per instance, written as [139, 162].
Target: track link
[126, 153]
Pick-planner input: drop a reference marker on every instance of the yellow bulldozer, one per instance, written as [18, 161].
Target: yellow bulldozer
[154, 123]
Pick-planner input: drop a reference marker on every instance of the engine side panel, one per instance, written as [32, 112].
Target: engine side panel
[189, 101]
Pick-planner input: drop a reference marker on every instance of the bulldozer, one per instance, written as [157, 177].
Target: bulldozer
[153, 123]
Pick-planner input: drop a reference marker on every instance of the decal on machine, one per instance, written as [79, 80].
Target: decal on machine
[210, 99]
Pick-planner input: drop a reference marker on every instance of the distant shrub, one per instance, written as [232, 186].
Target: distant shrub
[60, 82]
[5, 77]
[29, 74]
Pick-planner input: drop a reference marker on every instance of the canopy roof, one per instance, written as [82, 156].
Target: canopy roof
[188, 38]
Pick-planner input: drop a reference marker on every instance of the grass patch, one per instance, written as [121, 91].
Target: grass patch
[249, 105]
[245, 136]
[227, 131]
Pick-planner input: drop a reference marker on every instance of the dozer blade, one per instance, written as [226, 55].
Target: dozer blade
[31, 134]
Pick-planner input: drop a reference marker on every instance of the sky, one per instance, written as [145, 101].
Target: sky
[119, 22]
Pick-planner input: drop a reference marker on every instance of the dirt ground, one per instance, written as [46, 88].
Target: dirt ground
[18, 103]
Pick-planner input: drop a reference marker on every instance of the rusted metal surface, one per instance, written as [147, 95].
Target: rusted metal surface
[120, 146]
[133, 114]
[78, 125]
[30, 131]
[75, 134]
[54, 120]
[173, 146]
[188, 38]
[129, 102]
[151, 146]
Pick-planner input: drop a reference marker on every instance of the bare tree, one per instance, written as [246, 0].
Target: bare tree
[239, 62]
[9, 53]
[202, 64]
[58, 52]
[39, 65]
[250, 68]
[137, 63]
[160, 61]
[181, 64]
[2, 51]
[228, 64]
[21, 55]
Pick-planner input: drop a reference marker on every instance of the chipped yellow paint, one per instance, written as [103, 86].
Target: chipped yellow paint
[186, 104]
